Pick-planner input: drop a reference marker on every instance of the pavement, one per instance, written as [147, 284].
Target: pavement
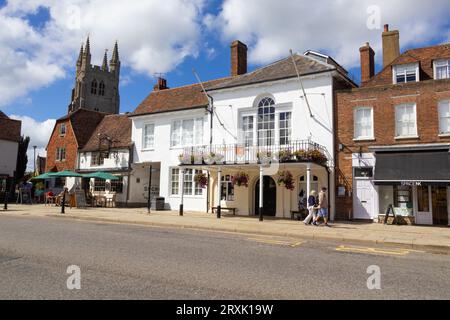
[432, 239]
[121, 261]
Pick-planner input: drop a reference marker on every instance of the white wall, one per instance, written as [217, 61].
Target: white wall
[118, 159]
[8, 158]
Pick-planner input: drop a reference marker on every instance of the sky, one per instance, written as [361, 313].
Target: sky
[40, 41]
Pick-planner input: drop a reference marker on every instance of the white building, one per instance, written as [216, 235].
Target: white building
[267, 115]
[9, 145]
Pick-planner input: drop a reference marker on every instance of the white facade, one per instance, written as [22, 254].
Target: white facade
[8, 160]
[230, 106]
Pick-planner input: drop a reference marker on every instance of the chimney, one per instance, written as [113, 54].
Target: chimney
[367, 63]
[161, 85]
[238, 58]
[391, 45]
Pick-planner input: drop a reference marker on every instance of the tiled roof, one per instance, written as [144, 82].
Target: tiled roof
[83, 122]
[276, 71]
[9, 129]
[116, 127]
[181, 98]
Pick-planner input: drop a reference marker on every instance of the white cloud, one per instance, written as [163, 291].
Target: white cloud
[153, 36]
[272, 27]
[39, 133]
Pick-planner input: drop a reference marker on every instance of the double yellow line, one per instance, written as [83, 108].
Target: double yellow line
[287, 243]
[375, 251]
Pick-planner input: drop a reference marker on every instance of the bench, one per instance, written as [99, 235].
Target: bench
[300, 215]
[214, 209]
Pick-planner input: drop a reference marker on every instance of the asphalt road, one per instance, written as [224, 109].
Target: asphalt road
[132, 262]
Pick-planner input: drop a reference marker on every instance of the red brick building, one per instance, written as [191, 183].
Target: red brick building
[393, 136]
[70, 134]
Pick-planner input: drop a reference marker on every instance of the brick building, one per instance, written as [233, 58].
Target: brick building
[393, 136]
[10, 131]
[70, 134]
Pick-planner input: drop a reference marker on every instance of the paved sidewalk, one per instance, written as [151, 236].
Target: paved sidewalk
[413, 237]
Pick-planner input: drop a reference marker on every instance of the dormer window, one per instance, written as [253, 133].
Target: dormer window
[406, 73]
[441, 69]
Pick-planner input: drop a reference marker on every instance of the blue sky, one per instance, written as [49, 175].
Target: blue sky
[40, 40]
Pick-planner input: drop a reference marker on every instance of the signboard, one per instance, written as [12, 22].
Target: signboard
[80, 199]
[403, 212]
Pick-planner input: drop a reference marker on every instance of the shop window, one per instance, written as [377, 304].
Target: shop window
[226, 189]
[100, 185]
[117, 185]
[363, 172]
[403, 197]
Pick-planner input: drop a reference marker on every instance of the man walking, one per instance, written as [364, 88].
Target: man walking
[323, 207]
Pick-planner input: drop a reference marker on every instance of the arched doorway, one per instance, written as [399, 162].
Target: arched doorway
[269, 197]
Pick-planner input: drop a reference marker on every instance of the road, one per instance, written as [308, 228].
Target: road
[133, 262]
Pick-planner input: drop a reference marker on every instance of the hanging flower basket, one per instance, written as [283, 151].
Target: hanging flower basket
[212, 158]
[201, 179]
[240, 179]
[265, 157]
[287, 179]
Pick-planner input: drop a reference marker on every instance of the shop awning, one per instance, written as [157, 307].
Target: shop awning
[408, 167]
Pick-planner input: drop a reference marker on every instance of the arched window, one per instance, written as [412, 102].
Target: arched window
[266, 122]
[101, 89]
[94, 86]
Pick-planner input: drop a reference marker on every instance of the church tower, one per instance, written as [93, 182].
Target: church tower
[96, 87]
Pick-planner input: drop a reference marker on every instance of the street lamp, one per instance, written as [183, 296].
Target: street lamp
[34, 158]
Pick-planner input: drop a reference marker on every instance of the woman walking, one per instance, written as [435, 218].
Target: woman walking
[312, 206]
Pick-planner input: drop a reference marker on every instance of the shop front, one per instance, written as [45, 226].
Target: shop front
[416, 182]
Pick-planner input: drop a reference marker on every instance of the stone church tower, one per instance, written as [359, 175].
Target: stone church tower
[96, 88]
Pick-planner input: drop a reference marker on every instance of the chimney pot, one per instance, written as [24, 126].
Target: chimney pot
[386, 28]
[238, 58]
[161, 84]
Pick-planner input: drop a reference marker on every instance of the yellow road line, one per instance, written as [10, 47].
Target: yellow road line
[397, 252]
[277, 242]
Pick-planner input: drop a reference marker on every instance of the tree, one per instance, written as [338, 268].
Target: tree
[22, 159]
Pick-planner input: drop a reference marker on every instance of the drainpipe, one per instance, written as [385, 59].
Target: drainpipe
[211, 113]
[261, 197]
[329, 203]
[182, 193]
[219, 190]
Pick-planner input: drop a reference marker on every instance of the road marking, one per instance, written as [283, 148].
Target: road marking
[376, 251]
[287, 242]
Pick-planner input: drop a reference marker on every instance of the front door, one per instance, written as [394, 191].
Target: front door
[440, 211]
[363, 203]
[269, 197]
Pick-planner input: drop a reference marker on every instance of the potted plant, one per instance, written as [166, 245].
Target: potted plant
[264, 157]
[201, 179]
[287, 179]
[317, 156]
[285, 155]
[212, 158]
[301, 155]
[240, 179]
[186, 158]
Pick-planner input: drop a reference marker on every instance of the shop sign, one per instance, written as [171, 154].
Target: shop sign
[411, 183]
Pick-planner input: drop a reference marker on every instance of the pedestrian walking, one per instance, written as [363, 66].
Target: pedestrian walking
[312, 207]
[323, 208]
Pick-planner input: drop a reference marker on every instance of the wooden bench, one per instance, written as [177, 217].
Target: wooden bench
[214, 209]
[298, 214]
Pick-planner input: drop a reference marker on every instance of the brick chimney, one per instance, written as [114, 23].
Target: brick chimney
[367, 63]
[391, 45]
[161, 84]
[238, 58]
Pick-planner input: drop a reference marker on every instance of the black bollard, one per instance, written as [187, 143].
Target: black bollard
[63, 204]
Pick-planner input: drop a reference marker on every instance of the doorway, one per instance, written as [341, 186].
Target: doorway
[269, 197]
[363, 208]
[439, 204]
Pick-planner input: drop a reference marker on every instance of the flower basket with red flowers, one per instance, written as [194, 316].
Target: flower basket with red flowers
[201, 179]
[240, 179]
[287, 179]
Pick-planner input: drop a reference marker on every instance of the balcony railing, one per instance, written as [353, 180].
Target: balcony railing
[294, 152]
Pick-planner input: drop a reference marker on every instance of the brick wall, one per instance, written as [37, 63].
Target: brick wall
[69, 142]
[383, 99]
